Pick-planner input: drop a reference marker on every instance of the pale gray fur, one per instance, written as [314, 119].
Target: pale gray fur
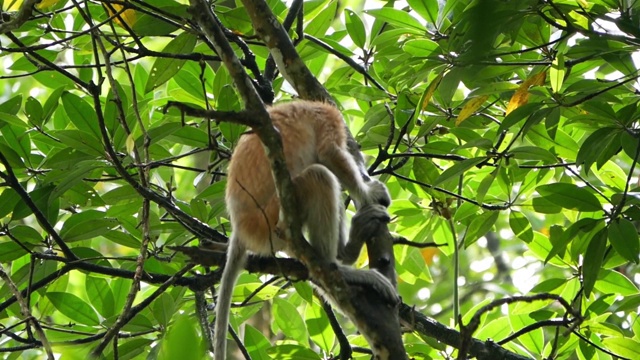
[236, 259]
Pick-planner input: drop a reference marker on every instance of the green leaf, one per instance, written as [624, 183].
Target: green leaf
[86, 225]
[624, 238]
[367, 93]
[480, 226]
[18, 140]
[74, 308]
[570, 196]
[304, 290]
[485, 185]
[421, 47]
[425, 171]
[458, 169]
[163, 309]
[532, 340]
[593, 258]
[427, 10]
[9, 198]
[289, 320]
[81, 141]
[131, 348]
[34, 111]
[318, 328]
[26, 234]
[148, 24]
[182, 341]
[518, 115]
[292, 352]
[82, 115]
[520, 226]
[355, 28]
[624, 347]
[551, 122]
[100, 295]
[613, 282]
[398, 18]
[561, 239]
[256, 343]
[122, 238]
[75, 176]
[165, 68]
[557, 72]
[533, 153]
[319, 25]
[10, 251]
[44, 202]
[12, 106]
[629, 144]
[591, 148]
[548, 285]
[12, 120]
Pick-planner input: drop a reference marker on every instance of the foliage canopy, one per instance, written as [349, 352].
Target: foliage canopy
[509, 128]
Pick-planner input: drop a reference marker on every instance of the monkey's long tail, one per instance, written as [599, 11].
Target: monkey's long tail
[236, 259]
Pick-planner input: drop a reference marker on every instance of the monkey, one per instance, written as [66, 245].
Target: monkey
[314, 143]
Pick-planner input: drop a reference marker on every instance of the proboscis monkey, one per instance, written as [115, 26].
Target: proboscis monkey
[314, 141]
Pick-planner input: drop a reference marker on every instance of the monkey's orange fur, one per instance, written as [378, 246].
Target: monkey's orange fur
[312, 132]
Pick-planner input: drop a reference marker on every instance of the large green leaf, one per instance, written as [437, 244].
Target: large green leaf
[82, 115]
[570, 196]
[182, 341]
[457, 169]
[74, 308]
[623, 235]
[289, 320]
[100, 296]
[593, 260]
[165, 68]
[355, 28]
[428, 10]
[400, 19]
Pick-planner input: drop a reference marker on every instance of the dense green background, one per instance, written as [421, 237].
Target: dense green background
[508, 127]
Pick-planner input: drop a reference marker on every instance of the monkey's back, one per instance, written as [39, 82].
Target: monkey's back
[305, 127]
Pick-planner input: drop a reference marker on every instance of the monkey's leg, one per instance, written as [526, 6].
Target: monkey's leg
[319, 194]
[318, 191]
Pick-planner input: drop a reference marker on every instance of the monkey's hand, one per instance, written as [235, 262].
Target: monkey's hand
[378, 282]
[376, 193]
[365, 225]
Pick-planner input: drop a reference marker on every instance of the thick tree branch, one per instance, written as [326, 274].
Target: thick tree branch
[487, 350]
[291, 66]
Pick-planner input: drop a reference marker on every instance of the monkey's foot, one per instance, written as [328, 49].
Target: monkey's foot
[373, 279]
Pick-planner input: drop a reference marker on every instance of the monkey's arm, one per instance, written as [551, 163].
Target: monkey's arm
[343, 166]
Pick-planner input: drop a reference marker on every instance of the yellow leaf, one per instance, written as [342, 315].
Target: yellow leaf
[128, 16]
[538, 79]
[12, 5]
[428, 93]
[428, 254]
[46, 3]
[521, 96]
[130, 143]
[470, 107]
